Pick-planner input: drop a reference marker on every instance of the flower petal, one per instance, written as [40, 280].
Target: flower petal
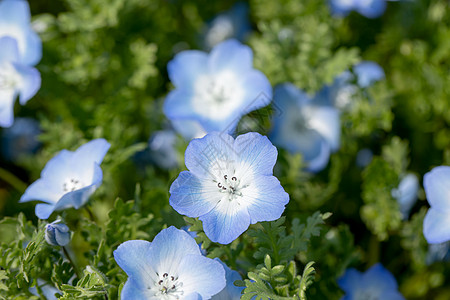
[189, 129]
[201, 275]
[132, 291]
[191, 197]
[9, 51]
[7, 107]
[226, 222]
[186, 66]
[350, 280]
[168, 249]
[231, 55]
[209, 155]
[378, 276]
[230, 291]
[437, 187]
[57, 168]
[267, 198]
[43, 210]
[325, 120]
[436, 226]
[368, 72]
[255, 154]
[371, 9]
[91, 152]
[41, 190]
[319, 162]
[177, 105]
[30, 82]
[15, 12]
[134, 258]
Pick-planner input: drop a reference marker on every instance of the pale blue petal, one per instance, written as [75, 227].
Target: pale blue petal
[91, 152]
[258, 91]
[226, 222]
[189, 197]
[256, 152]
[436, 226]
[201, 275]
[169, 248]
[368, 72]
[9, 51]
[319, 162]
[62, 237]
[205, 156]
[57, 168]
[326, 121]
[132, 291]
[43, 210]
[42, 190]
[371, 9]
[437, 188]
[134, 258]
[350, 280]
[30, 82]
[341, 7]
[230, 292]
[178, 105]
[406, 193]
[231, 55]
[185, 68]
[15, 12]
[7, 98]
[268, 200]
[33, 50]
[189, 129]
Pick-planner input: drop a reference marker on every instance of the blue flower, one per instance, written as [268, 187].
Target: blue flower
[436, 225]
[438, 252]
[305, 127]
[406, 193]
[233, 23]
[376, 283]
[170, 267]
[162, 149]
[16, 79]
[20, 139]
[338, 94]
[68, 179]
[230, 291]
[216, 90]
[367, 72]
[229, 184]
[368, 8]
[57, 234]
[15, 23]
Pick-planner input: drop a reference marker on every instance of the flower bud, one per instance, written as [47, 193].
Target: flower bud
[57, 234]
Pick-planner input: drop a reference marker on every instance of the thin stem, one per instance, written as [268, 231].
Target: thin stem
[12, 180]
[90, 213]
[66, 253]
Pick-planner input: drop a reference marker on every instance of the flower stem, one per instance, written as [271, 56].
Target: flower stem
[90, 213]
[12, 180]
[74, 266]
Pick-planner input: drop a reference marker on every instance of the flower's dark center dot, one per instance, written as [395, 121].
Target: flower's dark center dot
[169, 287]
[71, 185]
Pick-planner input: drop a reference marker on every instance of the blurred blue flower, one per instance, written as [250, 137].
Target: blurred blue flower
[229, 184]
[68, 179]
[170, 267]
[338, 94]
[163, 152]
[15, 23]
[20, 139]
[368, 8]
[189, 129]
[364, 157]
[233, 23]
[48, 291]
[305, 127]
[406, 193]
[16, 79]
[216, 89]
[436, 225]
[367, 72]
[57, 233]
[376, 283]
[230, 291]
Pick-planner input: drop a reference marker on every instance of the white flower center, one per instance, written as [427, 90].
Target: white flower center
[71, 185]
[231, 186]
[168, 287]
[216, 97]
[7, 77]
